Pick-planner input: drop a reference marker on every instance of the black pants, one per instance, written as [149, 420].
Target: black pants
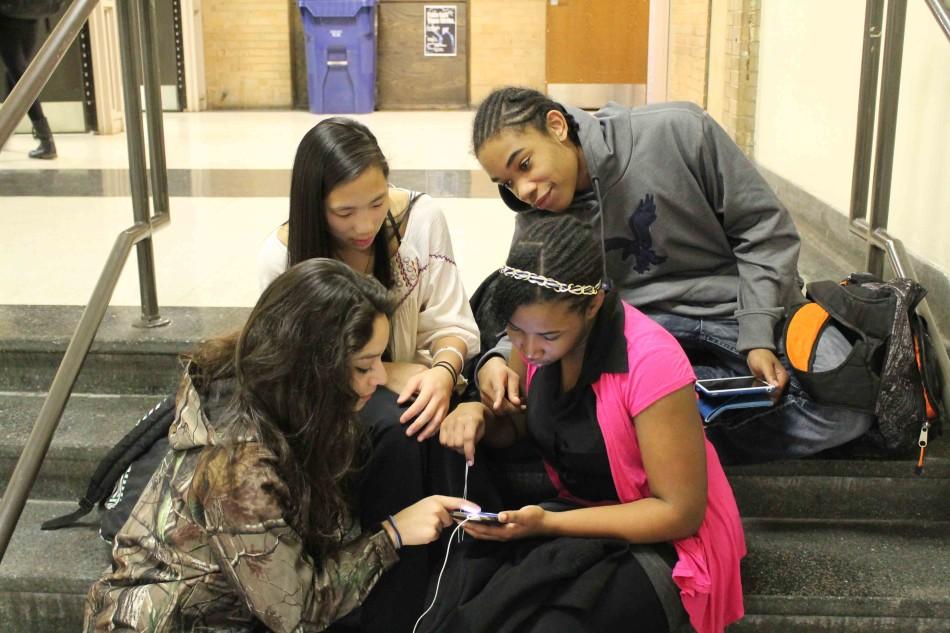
[17, 46]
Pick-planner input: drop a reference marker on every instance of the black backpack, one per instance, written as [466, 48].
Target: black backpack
[30, 9]
[891, 369]
[124, 472]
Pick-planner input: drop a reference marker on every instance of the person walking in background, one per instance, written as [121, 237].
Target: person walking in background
[19, 31]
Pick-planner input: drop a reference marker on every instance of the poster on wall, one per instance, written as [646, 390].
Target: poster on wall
[440, 30]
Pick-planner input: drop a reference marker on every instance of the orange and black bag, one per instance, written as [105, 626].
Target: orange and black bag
[891, 368]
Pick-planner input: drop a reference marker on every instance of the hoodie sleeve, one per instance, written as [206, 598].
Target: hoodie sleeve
[760, 231]
[264, 559]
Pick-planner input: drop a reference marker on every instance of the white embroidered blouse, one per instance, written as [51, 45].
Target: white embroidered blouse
[431, 302]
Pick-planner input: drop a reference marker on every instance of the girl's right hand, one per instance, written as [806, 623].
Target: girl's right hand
[423, 521]
[498, 385]
[463, 428]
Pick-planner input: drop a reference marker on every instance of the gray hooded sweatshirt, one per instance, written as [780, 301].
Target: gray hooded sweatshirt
[691, 227]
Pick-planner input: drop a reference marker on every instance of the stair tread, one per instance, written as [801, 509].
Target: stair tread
[90, 426]
[861, 568]
[49, 328]
[937, 464]
[61, 561]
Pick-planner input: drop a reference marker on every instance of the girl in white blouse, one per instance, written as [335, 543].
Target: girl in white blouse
[342, 206]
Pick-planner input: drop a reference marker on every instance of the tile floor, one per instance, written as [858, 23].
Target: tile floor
[229, 172]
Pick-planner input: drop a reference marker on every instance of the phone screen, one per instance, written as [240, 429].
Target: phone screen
[742, 382]
[476, 517]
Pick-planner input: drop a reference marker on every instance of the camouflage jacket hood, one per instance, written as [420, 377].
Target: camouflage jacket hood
[202, 421]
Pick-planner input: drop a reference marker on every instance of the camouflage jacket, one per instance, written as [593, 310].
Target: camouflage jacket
[207, 548]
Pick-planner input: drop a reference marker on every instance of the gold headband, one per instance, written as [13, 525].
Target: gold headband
[551, 284]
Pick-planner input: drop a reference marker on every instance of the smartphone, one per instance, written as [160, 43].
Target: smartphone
[733, 386]
[489, 518]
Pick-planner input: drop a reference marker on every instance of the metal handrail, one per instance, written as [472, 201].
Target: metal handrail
[941, 14]
[138, 49]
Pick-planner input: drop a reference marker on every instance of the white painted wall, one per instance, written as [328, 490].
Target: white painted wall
[920, 189]
[809, 68]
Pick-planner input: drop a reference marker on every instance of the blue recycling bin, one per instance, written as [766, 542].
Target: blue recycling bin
[340, 40]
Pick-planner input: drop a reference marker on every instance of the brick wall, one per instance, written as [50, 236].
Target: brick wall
[247, 53]
[689, 30]
[742, 66]
[507, 45]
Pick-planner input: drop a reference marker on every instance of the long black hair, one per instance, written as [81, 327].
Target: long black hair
[292, 367]
[556, 246]
[334, 152]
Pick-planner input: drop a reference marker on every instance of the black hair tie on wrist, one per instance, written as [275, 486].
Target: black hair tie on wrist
[444, 364]
[392, 522]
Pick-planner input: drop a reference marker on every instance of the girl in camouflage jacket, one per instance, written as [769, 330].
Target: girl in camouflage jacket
[246, 524]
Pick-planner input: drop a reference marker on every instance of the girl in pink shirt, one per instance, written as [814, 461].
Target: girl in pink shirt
[611, 408]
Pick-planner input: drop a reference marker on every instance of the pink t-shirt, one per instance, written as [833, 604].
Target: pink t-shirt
[707, 572]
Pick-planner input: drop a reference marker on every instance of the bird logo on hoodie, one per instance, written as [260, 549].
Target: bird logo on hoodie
[641, 246]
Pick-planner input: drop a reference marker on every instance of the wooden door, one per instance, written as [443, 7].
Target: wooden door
[407, 79]
[596, 50]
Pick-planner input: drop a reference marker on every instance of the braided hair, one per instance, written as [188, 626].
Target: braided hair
[517, 108]
[557, 246]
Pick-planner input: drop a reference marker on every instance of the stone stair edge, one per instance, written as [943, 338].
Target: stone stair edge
[31, 328]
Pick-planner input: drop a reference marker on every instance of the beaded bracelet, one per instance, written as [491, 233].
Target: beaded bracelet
[392, 522]
[450, 349]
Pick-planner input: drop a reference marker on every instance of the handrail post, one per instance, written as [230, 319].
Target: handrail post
[46, 60]
[129, 20]
[886, 129]
[867, 105]
[148, 36]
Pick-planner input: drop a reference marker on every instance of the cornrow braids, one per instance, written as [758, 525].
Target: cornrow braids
[557, 246]
[517, 108]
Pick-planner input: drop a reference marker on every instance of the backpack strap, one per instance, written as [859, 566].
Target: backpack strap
[151, 427]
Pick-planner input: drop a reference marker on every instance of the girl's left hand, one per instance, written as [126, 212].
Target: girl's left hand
[433, 391]
[526, 522]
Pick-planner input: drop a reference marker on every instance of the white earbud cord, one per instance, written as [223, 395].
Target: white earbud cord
[461, 535]
[442, 571]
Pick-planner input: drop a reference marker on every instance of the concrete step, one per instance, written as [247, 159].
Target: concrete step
[799, 576]
[90, 427]
[123, 358]
[855, 576]
[45, 575]
[845, 487]
[840, 489]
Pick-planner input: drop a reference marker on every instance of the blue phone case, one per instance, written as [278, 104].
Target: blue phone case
[709, 408]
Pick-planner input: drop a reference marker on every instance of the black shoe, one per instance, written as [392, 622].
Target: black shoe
[47, 148]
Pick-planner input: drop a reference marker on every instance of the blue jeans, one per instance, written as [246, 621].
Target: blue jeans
[796, 426]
